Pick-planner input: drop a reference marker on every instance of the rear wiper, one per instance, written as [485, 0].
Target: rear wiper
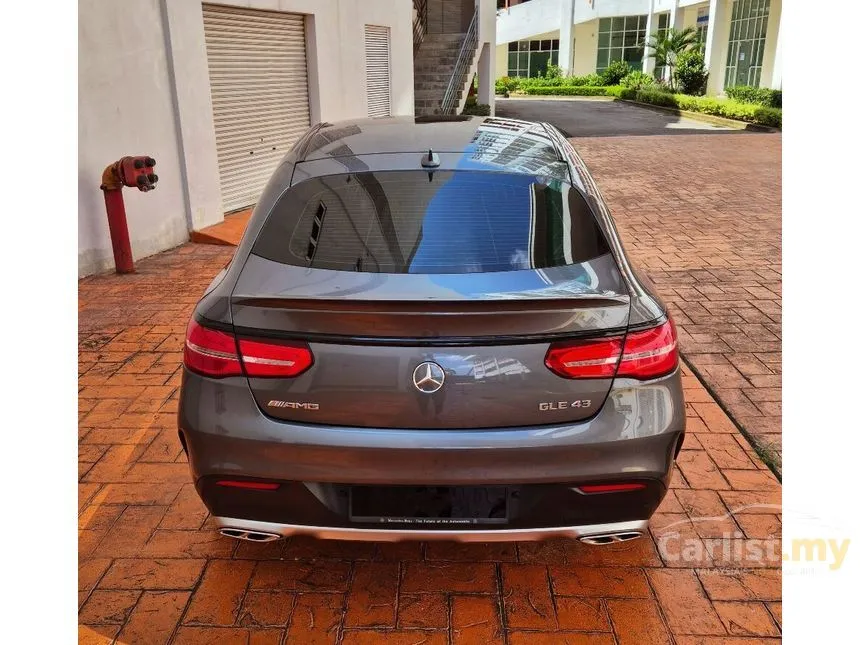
[316, 230]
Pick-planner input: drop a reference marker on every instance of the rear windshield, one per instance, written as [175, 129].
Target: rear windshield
[418, 222]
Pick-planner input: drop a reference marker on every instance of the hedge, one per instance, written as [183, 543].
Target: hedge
[578, 90]
[728, 108]
[760, 95]
[507, 84]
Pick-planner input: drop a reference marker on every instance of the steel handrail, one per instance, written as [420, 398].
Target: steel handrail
[464, 62]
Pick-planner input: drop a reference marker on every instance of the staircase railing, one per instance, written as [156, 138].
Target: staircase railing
[464, 62]
[419, 22]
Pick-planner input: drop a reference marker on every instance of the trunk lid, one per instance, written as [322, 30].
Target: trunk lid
[374, 335]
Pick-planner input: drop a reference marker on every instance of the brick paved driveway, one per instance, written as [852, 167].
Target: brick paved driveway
[153, 570]
[700, 214]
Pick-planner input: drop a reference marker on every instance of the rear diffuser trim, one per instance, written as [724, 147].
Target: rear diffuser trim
[396, 535]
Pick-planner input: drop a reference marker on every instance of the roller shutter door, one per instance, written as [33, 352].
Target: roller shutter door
[377, 52]
[259, 83]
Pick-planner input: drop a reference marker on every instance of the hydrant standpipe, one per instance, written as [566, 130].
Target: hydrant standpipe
[134, 172]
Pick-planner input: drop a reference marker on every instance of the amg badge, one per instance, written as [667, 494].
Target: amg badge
[296, 405]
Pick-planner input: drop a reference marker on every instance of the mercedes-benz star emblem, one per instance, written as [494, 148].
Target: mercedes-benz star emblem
[428, 377]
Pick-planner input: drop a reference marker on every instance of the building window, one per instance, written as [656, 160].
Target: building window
[746, 42]
[702, 24]
[621, 38]
[531, 57]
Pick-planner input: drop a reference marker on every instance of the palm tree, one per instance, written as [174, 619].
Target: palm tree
[664, 48]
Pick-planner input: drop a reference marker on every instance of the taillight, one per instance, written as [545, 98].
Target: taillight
[642, 355]
[274, 358]
[585, 359]
[210, 352]
[650, 353]
[217, 354]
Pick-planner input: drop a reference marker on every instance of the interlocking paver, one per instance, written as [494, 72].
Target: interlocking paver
[153, 569]
[701, 216]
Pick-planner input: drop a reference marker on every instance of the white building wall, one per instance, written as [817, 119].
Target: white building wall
[770, 47]
[691, 14]
[524, 21]
[125, 107]
[488, 53]
[585, 52]
[129, 103]
[716, 48]
[584, 12]
[501, 60]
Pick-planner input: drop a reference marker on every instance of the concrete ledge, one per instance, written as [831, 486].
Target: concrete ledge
[226, 233]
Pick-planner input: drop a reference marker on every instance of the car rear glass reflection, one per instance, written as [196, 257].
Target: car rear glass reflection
[439, 222]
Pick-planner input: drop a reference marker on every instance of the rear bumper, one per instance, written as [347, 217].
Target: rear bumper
[634, 436]
[396, 535]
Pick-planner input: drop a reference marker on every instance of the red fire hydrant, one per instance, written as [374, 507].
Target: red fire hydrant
[135, 172]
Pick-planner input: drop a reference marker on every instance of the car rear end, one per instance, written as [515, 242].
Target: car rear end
[446, 353]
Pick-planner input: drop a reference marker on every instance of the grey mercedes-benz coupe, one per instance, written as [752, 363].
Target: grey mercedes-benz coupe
[431, 330]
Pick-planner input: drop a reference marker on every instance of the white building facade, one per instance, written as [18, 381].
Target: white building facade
[742, 37]
[217, 94]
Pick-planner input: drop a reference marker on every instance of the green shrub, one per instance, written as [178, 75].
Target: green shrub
[758, 95]
[613, 74]
[656, 97]
[553, 71]
[571, 90]
[691, 73]
[727, 108]
[476, 109]
[637, 80]
[770, 116]
[505, 85]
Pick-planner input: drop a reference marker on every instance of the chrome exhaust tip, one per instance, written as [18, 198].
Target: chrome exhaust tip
[250, 536]
[610, 538]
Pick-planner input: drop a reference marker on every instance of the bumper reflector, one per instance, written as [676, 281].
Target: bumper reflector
[230, 483]
[591, 489]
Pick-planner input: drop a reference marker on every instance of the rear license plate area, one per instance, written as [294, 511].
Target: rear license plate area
[438, 506]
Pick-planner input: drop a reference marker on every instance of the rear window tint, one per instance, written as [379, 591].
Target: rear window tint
[415, 222]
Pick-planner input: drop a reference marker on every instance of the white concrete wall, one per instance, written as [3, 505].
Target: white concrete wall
[487, 54]
[585, 53]
[770, 47]
[524, 21]
[144, 89]
[583, 12]
[690, 14]
[501, 60]
[716, 48]
[125, 107]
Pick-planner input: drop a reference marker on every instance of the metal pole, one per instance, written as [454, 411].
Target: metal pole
[118, 225]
